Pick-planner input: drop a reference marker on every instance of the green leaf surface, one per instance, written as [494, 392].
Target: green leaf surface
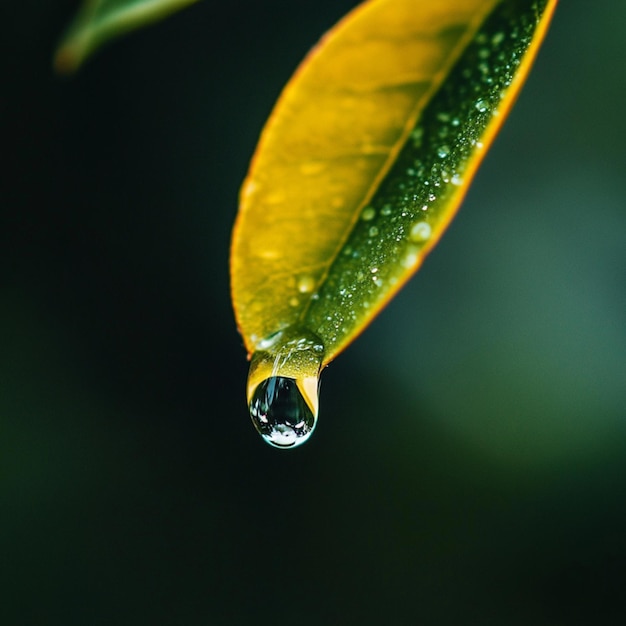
[99, 21]
[358, 172]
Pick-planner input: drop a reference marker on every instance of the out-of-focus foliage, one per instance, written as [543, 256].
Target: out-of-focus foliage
[98, 21]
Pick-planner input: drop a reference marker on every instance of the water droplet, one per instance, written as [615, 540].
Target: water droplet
[411, 257]
[443, 152]
[481, 106]
[369, 213]
[386, 210]
[283, 387]
[456, 180]
[294, 301]
[443, 117]
[417, 135]
[378, 281]
[497, 39]
[305, 283]
[420, 231]
[373, 231]
[249, 187]
[280, 413]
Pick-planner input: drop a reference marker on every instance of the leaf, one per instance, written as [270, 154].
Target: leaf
[360, 168]
[98, 21]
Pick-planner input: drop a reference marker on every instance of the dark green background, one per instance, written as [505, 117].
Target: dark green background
[469, 466]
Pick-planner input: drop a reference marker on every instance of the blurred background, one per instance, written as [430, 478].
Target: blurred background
[469, 466]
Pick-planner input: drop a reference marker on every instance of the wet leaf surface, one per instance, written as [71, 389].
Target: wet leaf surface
[366, 158]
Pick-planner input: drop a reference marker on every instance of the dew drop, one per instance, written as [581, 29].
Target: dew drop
[443, 152]
[369, 213]
[280, 413]
[411, 257]
[283, 387]
[373, 231]
[456, 180]
[305, 283]
[417, 136]
[481, 105]
[249, 187]
[386, 210]
[294, 302]
[420, 231]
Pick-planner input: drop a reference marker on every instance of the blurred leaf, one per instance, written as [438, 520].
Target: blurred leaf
[97, 21]
[366, 158]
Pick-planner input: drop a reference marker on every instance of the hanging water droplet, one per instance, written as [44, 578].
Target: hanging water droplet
[283, 386]
[280, 412]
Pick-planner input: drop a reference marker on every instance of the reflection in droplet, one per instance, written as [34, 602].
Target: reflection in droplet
[280, 413]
